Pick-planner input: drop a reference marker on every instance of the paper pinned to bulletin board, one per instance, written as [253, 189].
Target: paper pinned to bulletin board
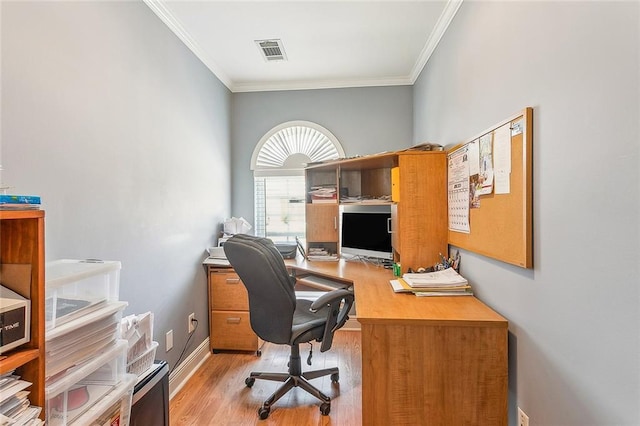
[490, 192]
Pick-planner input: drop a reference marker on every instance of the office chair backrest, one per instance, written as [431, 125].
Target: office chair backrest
[272, 299]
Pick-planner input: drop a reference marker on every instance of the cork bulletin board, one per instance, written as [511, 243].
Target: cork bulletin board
[497, 191]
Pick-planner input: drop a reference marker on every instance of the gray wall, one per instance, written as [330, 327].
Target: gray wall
[365, 121]
[573, 320]
[125, 135]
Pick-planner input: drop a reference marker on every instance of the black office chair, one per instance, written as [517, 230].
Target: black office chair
[277, 316]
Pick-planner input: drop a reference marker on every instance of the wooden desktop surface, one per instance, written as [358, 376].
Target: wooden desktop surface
[425, 360]
[376, 301]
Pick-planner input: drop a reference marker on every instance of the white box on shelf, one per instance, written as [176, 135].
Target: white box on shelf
[73, 392]
[74, 288]
[15, 319]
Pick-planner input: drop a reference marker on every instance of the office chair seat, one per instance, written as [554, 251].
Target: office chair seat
[307, 325]
[277, 316]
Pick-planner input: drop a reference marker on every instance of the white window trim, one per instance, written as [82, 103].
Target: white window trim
[277, 171]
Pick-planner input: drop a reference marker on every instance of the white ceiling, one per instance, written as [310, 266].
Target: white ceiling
[327, 43]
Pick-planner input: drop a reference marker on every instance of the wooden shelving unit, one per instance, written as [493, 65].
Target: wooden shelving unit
[419, 216]
[22, 242]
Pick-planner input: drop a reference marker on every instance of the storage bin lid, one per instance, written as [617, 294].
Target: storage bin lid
[78, 373]
[65, 271]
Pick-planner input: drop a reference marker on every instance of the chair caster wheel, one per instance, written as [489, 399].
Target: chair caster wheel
[258, 353]
[263, 413]
[335, 377]
[325, 408]
[249, 381]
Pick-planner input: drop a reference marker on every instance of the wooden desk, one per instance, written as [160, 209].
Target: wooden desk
[435, 361]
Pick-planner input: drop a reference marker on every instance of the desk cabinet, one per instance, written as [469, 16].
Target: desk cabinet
[229, 312]
[324, 218]
[435, 361]
[419, 219]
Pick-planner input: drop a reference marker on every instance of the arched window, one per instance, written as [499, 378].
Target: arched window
[278, 163]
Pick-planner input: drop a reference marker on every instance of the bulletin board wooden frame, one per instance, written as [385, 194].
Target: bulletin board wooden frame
[501, 228]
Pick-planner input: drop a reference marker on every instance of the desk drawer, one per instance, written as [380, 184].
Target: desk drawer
[227, 293]
[232, 330]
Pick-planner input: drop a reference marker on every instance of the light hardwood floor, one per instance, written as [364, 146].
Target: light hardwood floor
[217, 395]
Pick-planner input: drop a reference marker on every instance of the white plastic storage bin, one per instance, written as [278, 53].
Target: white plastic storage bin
[76, 287]
[113, 409]
[76, 390]
[79, 340]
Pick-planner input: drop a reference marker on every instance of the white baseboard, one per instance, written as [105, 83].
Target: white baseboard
[183, 372]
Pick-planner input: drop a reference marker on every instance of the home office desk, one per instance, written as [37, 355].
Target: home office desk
[425, 360]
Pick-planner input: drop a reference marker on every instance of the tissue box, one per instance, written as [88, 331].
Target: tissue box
[236, 225]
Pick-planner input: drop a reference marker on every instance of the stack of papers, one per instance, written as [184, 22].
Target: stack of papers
[319, 253]
[15, 408]
[439, 283]
[217, 257]
[79, 346]
[324, 194]
[445, 278]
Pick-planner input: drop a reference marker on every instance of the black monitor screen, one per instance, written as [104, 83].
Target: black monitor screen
[366, 234]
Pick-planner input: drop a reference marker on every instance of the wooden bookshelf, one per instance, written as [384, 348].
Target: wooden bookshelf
[22, 243]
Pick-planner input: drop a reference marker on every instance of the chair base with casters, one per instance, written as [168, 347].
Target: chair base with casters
[295, 378]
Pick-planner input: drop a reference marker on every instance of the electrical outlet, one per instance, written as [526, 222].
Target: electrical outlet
[192, 322]
[169, 340]
[523, 419]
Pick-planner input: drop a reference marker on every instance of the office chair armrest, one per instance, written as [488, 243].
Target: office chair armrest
[330, 297]
[339, 304]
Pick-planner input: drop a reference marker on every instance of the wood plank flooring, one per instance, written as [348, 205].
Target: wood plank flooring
[217, 395]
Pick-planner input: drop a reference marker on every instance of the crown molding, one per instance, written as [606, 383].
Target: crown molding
[165, 16]
[319, 84]
[439, 29]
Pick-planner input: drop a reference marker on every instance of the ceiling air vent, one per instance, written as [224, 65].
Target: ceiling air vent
[272, 50]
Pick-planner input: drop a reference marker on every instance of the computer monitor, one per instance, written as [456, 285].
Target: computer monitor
[366, 231]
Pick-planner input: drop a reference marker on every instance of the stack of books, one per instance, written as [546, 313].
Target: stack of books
[446, 282]
[19, 202]
[324, 194]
